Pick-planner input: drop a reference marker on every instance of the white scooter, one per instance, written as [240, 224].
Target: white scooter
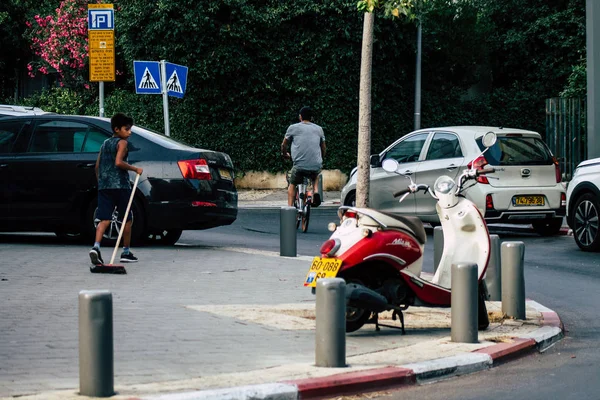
[380, 254]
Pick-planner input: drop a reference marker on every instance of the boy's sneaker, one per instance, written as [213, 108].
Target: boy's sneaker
[96, 256]
[128, 257]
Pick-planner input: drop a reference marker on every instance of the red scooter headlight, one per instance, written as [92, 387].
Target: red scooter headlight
[330, 247]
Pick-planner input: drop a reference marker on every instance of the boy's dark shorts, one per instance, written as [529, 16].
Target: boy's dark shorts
[297, 175]
[108, 199]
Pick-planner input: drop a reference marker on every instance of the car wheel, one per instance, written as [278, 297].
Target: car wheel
[112, 232]
[549, 227]
[585, 223]
[350, 199]
[165, 237]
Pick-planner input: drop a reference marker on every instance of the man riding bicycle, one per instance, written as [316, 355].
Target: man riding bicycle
[307, 142]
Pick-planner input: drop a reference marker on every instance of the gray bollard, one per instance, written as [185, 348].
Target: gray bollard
[330, 336]
[96, 366]
[513, 279]
[463, 320]
[493, 274]
[438, 246]
[287, 231]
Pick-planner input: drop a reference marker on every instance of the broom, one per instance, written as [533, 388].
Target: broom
[117, 268]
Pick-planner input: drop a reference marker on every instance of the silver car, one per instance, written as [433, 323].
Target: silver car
[525, 189]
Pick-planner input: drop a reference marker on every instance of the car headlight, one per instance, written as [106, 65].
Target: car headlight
[444, 184]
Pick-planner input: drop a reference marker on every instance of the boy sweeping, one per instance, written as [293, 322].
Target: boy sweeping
[114, 188]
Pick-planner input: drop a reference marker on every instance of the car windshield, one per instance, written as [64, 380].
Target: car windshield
[517, 150]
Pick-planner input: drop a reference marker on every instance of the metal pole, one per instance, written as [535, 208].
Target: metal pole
[330, 335]
[418, 78]
[438, 246]
[464, 317]
[101, 97]
[165, 96]
[287, 231]
[493, 274]
[513, 279]
[96, 366]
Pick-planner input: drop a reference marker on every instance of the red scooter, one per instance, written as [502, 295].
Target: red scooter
[380, 254]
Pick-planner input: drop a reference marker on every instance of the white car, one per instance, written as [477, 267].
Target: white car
[11, 111]
[583, 205]
[525, 189]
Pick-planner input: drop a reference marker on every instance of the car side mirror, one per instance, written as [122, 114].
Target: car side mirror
[375, 161]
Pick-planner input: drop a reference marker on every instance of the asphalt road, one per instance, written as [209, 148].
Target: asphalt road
[558, 275]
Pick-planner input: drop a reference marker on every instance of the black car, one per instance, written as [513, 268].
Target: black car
[49, 184]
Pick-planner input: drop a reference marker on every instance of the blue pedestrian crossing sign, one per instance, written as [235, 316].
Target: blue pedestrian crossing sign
[176, 76]
[147, 77]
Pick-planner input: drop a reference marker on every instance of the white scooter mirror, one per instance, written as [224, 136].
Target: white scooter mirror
[489, 139]
[390, 165]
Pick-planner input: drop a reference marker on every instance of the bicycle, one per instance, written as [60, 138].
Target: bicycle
[302, 203]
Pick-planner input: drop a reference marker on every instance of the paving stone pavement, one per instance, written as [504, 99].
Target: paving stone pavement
[157, 335]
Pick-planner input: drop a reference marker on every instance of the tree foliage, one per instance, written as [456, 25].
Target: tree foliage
[254, 63]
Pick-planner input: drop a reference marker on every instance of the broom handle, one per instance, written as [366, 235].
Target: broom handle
[137, 178]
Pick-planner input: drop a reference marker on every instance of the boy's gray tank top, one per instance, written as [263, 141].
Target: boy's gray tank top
[109, 175]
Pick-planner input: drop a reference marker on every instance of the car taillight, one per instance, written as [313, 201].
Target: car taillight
[557, 170]
[330, 247]
[479, 163]
[203, 204]
[194, 169]
[563, 200]
[489, 202]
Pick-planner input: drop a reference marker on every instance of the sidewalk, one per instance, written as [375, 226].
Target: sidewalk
[427, 357]
[233, 349]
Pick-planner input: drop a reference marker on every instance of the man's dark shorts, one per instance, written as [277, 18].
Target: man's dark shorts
[108, 199]
[297, 175]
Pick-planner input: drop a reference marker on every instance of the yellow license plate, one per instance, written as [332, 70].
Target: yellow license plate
[519, 201]
[225, 174]
[322, 268]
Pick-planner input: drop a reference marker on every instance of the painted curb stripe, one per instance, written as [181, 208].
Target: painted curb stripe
[267, 391]
[552, 319]
[353, 382]
[501, 351]
[449, 366]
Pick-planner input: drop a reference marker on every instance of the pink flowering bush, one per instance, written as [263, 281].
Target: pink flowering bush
[61, 42]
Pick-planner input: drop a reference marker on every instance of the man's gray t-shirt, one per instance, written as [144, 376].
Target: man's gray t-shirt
[306, 138]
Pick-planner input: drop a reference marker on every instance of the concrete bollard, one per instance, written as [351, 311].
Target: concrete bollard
[464, 303]
[287, 231]
[96, 365]
[438, 246]
[493, 274]
[513, 279]
[330, 336]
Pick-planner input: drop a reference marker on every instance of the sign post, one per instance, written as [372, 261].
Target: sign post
[101, 41]
[160, 77]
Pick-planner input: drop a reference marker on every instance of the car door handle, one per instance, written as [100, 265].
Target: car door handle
[451, 167]
[3, 165]
[86, 166]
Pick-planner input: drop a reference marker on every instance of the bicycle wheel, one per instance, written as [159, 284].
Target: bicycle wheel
[306, 217]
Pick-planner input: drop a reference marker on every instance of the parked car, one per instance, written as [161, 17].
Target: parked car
[49, 184]
[525, 189]
[11, 111]
[583, 205]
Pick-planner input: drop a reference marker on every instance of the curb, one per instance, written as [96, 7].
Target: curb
[392, 377]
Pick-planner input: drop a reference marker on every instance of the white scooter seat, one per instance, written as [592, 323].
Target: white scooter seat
[411, 224]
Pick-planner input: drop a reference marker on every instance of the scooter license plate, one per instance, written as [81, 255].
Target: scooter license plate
[322, 268]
